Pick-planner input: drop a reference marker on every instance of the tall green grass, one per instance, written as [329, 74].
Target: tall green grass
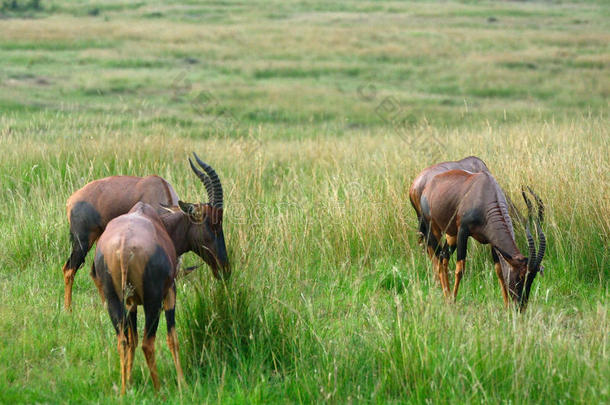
[333, 110]
[331, 297]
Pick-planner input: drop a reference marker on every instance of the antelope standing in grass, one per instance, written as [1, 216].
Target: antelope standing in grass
[460, 204]
[93, 206]
[136, 264]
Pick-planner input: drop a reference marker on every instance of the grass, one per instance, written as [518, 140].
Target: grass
[317, 116]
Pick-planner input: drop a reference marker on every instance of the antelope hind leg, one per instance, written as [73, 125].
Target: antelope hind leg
[169, 305]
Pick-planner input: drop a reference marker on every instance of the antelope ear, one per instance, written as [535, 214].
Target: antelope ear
[187, 208]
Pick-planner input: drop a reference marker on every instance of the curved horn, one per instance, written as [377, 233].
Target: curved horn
[217, 201]
[531, 257]
[541, 247]
[539, 204]
[541, 236]
[207, 183]
[528, 203]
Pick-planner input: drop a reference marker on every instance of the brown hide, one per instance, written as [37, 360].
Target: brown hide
[93, 206]
[116, 195]
[471, 163]
[135, 263]
[134, 238]
[460, 204]
[455, 193]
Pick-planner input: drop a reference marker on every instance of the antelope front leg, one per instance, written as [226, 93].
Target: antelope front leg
[502, 283]
[98, 283]
[459, 271]
[498, 269]
[462, 244]
[443, 274]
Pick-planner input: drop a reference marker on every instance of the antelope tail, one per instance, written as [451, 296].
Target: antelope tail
[124, 266]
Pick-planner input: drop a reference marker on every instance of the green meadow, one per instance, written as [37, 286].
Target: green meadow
[317, 116]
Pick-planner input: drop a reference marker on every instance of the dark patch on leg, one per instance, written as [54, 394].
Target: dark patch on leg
[85, 227]
[170, 318]
[434, 252]
[152, 311]
[132, 338]
[156, 274]
[450, 250]
[422, 227]
[133, 319]
[433, 243]
[80, 247]
[462, 242]
[462, 245]
[447, 251]
[85, 222]
[116, 309]
[425, 207]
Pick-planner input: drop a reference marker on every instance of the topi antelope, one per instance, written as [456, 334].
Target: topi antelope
[93, 206]
[461, 204]
[136, 264]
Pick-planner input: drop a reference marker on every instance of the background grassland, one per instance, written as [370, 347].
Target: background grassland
[318, 116]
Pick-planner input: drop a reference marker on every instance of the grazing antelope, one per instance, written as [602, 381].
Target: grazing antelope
[136, 264]
[93, 206]
[460, 204]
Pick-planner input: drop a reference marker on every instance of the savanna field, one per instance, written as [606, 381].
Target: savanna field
[317, 116]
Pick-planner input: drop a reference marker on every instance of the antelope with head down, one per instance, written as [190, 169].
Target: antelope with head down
[91, 208]
[136, 264]
[459, 204]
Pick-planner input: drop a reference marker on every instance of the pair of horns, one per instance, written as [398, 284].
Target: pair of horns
[210, 181]
[534, 260]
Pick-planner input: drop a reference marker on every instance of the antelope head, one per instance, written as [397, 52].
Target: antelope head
[205, 236]
[524, 269]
